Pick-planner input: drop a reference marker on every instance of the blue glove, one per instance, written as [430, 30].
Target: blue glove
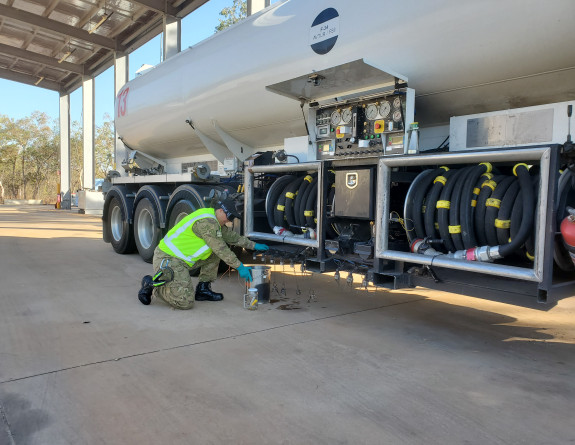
[245, 272]
[261, 247]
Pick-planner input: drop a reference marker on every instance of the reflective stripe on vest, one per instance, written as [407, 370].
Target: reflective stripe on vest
[181, 239]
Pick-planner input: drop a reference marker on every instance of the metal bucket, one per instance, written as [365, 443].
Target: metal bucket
[261, 277]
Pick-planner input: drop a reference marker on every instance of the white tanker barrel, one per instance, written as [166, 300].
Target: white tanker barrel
[460, 57]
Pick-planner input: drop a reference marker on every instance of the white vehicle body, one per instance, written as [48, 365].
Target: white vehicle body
[363, 77]
[460, 57]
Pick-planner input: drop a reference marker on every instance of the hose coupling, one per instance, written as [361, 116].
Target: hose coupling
[422, 247]
[483, 254]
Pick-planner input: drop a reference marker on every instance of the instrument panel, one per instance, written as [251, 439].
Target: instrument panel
[366, 128]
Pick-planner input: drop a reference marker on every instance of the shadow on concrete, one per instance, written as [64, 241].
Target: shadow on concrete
[23, 421]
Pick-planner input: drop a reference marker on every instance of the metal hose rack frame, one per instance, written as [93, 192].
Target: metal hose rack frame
[542, 268]
[284, 168]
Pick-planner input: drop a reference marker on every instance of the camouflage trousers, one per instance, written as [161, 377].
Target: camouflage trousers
[180, 292]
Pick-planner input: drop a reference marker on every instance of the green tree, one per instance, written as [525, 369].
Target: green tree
[9, 157]
[232, 14]
[104, 147]
[30, 151]
[76, 157]
[25, 143]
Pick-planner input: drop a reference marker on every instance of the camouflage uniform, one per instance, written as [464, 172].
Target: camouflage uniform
[179, 292]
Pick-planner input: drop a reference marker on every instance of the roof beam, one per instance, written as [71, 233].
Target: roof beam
[40, 58]
[188, 6]
[58, 27]
[158, 5]
[30, 80]
[50, 8]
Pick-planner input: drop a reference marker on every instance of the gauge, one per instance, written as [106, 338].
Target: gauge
[384, 109]
[396, 116]
[397, 102]
[371, 112]
[346, 116]
[335, 118]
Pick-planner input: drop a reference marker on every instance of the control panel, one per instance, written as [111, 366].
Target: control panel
[364, 128]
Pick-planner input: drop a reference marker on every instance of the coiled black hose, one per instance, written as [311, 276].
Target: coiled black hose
[432, 203]
[410, 206]
[454, 214]
[301, 198]
[309, 212]
[290, 203]
[503, 220]
[273, 196]
[470, 207]
[467, 208]
[418, 197]
[493, 205]
[284, 202]
[443, 210]
[522, 172]
[487, 188]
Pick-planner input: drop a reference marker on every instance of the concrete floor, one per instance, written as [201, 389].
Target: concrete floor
[83, 362]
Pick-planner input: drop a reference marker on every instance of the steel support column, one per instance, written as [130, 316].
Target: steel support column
[172, 36]
[88, 129]
[257, 5]
[66, 201]
[121, 74]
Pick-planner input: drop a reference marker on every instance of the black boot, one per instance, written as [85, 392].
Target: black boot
[204, 292]
[145, 293]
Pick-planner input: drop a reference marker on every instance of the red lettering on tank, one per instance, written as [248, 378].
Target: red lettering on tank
[123, 102]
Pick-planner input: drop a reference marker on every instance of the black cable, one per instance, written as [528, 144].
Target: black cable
[302, 103]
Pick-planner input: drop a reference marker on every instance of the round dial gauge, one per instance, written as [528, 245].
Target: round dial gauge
[346, 116]
[384, 109]
[397, 102]
[396, 116]
[371, 112]
[335, 118]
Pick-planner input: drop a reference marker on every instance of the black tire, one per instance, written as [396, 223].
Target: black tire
[147, 230]
[182, 208]
[120, 230]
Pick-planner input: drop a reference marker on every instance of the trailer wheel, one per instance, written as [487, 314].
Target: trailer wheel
[147, 231]
[182, 209]
[122, 238]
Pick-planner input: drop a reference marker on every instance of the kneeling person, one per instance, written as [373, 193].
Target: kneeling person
[200, 240]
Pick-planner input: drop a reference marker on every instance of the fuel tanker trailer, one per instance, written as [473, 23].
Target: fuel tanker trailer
[334, 121]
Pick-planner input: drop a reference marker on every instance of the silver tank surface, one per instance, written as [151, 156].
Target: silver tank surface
[460, 56]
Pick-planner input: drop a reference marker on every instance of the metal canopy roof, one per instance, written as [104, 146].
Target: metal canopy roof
[54, 43]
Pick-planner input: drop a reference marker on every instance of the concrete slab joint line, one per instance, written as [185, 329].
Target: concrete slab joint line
[187, 345]
[6, 427]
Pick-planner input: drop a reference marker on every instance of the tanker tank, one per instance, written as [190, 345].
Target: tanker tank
[459, 57]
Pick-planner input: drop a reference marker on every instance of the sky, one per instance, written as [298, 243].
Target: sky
[19, 100]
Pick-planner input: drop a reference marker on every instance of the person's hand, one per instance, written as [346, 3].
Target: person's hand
[245, 272]
[261, 247]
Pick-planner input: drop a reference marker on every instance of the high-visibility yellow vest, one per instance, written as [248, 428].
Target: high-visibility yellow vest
[181, 241]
